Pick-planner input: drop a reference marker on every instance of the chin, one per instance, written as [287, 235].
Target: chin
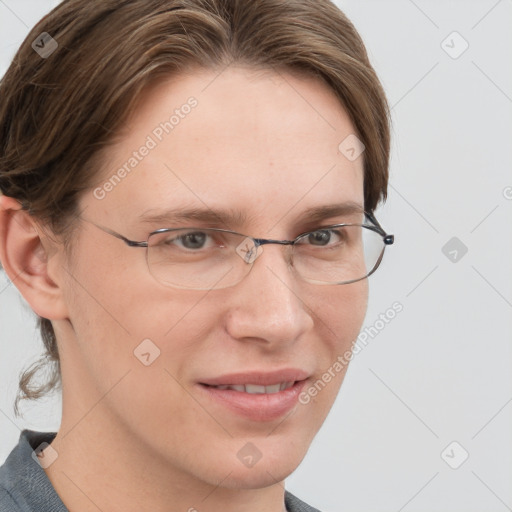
[261, 475]
[272, 462]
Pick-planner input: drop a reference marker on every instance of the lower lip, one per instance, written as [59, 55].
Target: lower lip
[257, 407]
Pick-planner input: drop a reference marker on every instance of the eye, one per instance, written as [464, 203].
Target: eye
[190, 242]
[322, 237]
[194, 240]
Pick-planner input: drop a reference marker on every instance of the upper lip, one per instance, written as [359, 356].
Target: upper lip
[258, 378]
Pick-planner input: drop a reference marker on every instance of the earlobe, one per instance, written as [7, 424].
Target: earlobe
[25, 260]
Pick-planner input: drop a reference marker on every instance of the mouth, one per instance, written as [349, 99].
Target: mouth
[259, 397]
[255, 389]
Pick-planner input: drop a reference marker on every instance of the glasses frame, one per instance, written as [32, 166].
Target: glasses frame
[387, 238]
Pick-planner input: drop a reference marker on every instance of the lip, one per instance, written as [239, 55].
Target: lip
[259, 378]
[256, 407]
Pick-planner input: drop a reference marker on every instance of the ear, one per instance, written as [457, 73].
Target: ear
[25, 260]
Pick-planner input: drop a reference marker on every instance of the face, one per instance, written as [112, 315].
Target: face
[261, 145]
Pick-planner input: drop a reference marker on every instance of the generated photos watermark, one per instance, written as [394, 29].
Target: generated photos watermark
[152, 140]
[342, 361]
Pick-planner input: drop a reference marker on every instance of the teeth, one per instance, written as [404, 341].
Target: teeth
[286, 385]
[270, 389]
[255, 389]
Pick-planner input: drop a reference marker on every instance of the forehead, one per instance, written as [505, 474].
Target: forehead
[265, 144]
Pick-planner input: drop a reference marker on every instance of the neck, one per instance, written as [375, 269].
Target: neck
[101, 468]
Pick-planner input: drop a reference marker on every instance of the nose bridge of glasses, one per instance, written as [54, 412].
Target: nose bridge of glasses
[264, 241]
[251, 248]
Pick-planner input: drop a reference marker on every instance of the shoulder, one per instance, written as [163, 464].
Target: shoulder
[294, 504]
[7, 504]
[24, 486]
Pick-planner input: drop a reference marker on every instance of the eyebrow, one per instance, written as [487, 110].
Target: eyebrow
[235, 218]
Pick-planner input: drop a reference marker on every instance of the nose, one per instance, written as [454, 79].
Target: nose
[269, 304]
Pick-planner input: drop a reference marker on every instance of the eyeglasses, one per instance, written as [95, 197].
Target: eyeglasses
[210, 258]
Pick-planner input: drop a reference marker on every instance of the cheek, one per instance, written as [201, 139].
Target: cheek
[114, 310]
[339, 317]
[341, 313]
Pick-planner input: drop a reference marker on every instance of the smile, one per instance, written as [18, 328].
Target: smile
[256, 389]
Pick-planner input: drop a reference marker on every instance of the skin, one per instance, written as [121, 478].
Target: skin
[137, 437]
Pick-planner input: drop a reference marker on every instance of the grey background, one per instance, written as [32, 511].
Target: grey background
[440, 370]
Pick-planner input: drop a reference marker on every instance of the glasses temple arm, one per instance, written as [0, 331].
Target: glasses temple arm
[388, 239]
[127, 241]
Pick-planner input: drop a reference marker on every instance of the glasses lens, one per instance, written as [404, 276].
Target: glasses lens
[338, 255]
[199, 259]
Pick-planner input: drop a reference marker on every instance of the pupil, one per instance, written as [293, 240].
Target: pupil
[320, 237]
[194, 240]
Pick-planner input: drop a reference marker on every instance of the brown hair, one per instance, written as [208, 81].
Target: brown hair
[58, 111]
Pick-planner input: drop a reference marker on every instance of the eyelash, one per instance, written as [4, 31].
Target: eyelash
[328, 227]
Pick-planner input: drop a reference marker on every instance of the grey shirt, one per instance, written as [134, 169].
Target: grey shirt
[24, 486]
